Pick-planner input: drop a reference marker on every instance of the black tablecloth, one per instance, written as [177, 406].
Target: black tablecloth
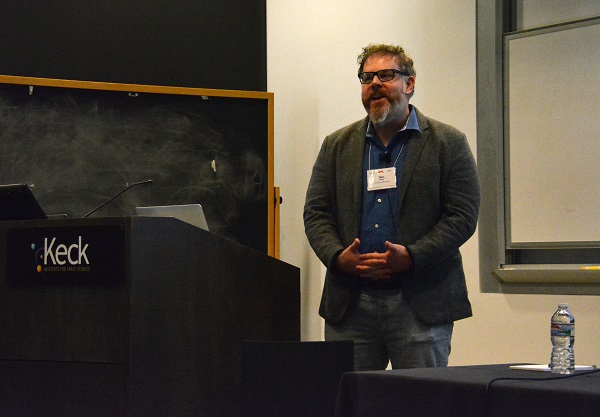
[467, 391]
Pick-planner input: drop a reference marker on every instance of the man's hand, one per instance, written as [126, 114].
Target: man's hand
[349, 258]
[381, 266]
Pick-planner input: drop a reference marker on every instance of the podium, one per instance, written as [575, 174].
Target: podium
[133, 316]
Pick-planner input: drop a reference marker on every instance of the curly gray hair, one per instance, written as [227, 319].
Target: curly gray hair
[404, 61]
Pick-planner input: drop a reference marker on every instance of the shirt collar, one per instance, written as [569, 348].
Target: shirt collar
[411, 123]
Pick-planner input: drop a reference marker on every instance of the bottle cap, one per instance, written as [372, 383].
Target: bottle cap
[563, 305]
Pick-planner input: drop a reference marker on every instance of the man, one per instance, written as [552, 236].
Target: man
[391, 199]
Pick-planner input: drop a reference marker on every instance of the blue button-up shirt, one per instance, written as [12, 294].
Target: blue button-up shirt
[380, 207]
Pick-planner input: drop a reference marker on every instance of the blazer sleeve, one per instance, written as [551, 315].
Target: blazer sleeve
[332, 206]
[447, 188]
[320, 222]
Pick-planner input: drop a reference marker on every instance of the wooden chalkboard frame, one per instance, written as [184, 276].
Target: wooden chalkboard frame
[271, 203]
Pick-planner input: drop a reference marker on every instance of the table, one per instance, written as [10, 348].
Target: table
[467, 391]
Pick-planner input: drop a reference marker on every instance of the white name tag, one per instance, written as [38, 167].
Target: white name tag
[380, 179]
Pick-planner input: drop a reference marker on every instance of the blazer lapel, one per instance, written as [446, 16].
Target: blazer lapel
[353, 160]
[414, 146]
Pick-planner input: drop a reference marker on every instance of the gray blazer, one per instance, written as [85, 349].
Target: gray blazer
[439, 203]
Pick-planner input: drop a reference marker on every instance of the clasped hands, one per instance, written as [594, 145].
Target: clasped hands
[374, 266]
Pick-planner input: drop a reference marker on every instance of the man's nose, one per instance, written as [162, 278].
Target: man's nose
[376, 84]
[376, 79]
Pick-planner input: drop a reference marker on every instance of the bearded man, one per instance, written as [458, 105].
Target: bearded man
[391, 199]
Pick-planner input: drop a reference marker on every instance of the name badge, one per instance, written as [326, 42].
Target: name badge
[381, 179]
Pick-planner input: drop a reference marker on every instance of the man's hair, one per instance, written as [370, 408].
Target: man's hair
[404, 61]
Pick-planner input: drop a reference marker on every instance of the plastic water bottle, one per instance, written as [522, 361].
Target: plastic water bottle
[562, 335]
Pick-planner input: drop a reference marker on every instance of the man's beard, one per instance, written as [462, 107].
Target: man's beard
[387, 113]
[381, 115]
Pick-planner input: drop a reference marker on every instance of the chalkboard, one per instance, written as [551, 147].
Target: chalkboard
[553, 125]
[78, 144]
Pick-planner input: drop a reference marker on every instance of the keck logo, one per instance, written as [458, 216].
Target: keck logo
[89, 254]
[56, 256]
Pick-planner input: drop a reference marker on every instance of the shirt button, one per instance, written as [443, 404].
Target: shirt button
[376, 226]
[379, 200]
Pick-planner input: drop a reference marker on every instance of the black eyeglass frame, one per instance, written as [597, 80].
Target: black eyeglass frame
[374, 73]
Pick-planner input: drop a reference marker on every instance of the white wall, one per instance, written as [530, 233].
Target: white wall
[312, 48]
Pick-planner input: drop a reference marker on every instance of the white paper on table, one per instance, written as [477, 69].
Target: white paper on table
[546, 368]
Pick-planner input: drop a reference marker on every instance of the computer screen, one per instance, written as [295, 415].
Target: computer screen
[17, 202]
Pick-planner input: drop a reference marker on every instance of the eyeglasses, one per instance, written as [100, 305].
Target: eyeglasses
[383, 75]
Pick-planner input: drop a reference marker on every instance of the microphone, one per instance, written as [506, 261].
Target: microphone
[386, 157]
[116, 195]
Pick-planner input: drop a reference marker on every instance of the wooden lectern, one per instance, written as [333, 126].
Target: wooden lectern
[151, 324]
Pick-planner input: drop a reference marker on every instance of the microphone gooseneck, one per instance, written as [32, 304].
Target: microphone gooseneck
[116, 195]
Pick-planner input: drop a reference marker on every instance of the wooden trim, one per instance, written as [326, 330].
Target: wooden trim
[134, 88]
[273, 213]
[277, 223]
